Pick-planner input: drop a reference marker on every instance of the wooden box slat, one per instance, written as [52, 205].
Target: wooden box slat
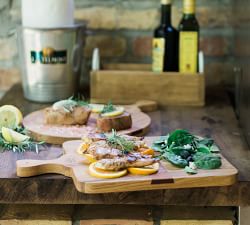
[137, 82]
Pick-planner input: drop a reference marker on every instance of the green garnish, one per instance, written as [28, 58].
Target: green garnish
[108, 108]
[27, 145]
[117, 141]
[79, 99]
[182, 148]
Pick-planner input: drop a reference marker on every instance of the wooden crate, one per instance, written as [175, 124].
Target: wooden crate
[128, 83]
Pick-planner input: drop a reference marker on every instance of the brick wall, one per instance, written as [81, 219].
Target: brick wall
[122, 29]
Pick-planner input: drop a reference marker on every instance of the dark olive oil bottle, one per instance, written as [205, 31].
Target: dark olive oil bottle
[189, 39]
[165, 42]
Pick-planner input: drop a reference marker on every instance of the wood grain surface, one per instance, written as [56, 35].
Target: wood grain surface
[57, 134]
[73, 165]
[139, 82]
[216, 120]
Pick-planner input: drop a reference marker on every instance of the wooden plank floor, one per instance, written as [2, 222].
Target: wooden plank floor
[216, 120]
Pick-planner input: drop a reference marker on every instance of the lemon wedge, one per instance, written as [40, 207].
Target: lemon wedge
[96, 108]
[99, 173]
[118, 111]
[146, 170]
[10, 116]
[12, 136]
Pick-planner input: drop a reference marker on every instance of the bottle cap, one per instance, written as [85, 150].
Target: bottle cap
[166, 2]
[189, 6]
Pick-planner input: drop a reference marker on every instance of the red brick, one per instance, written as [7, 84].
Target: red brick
[214, 46]
[109, 46]
[242, 47]
[214, 16]
[142, 46]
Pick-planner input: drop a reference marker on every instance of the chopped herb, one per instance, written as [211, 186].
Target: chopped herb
[108, 108]
[117, 141]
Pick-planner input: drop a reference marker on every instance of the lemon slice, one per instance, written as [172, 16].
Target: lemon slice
[146, 170]
[90, 158]
[10, 116]
[96, 108]
[118, 111]
[82, 148]
[12, 136]
[95, 172]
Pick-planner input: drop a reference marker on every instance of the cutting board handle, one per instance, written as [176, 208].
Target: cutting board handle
[28, 168]
[147, 105]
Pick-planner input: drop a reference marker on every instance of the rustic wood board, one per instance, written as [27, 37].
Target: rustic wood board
[73, 165]
[55, 134]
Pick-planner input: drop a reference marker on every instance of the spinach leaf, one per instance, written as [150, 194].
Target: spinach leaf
[190, 170]
[207, 161]
[176, 160]
[180, 138]
[180, 148]
[203, 149]
[206, 141]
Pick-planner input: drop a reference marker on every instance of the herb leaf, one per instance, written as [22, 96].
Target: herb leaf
[117, 141]
[108, 108]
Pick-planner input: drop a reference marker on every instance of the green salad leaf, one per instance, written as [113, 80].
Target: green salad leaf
[190, 170]
[207, 161]
[182, 148]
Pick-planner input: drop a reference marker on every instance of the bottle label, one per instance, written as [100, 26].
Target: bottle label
[188, 52]
[158, 54]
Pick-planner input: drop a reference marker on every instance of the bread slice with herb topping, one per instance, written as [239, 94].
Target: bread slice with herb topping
[67, 112]
[120, 122]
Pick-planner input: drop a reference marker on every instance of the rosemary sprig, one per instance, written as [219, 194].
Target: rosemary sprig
[108, 108]
[24, 146]
[27, 145]
[117, 141]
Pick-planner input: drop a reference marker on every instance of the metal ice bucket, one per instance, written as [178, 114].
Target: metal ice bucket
[50, 61]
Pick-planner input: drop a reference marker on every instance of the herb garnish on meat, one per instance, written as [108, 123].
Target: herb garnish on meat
[117, 141]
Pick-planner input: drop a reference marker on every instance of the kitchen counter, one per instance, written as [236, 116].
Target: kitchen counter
[216, 119]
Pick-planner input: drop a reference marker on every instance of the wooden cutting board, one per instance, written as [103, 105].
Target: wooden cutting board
[56, 134]
[71, 164]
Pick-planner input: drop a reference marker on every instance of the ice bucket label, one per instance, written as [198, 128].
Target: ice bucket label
[49, 56]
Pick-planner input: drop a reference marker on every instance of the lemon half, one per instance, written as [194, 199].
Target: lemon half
[118, 111]
[99, 173]
[10, 116]
[96, 108]
[12, 136]
[146, 170]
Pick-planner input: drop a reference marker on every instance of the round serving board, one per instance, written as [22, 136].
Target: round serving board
[57, 134]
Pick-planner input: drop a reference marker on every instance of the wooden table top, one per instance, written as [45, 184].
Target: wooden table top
[216, 120]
